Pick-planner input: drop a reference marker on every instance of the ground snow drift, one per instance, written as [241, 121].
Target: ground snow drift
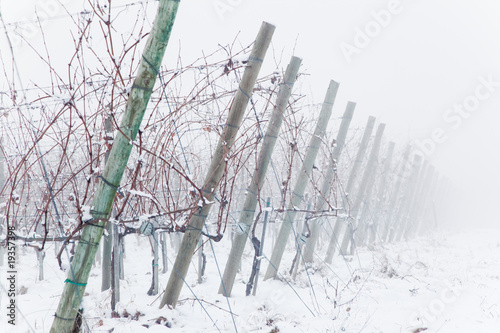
[443, 283]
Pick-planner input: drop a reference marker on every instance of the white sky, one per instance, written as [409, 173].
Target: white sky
[428, 58]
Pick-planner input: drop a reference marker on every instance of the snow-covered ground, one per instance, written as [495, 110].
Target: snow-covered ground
[442, 283]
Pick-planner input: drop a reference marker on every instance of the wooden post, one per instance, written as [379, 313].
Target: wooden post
[301, 242]
[196, 223]
[302, 180]
[122, 257]
[164, 253]
[154, 283]
[363, 222]
[395, 195]
[259, 176]
[107, 245]
[366, 182]
[261, 249]
[339, 144]
[40, 255]
[107, 248]
[201, 261]
[104, 196]
[175, 241]
[353, 175]
[115, 268]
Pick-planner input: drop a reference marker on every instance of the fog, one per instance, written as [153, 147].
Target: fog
[427, 69]
[412, 64]
[423, 62]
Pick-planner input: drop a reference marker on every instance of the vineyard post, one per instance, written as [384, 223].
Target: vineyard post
[261, 249]
[259, 176]
[302, 180]
[107, 245]
[369, 175]
[217, 166]
[329, 178]
[353, 176]
[395, 194]
[380, 198]
[74, 287]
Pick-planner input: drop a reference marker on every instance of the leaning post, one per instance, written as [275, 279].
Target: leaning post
[365, 185]
[353, 176]
[74, 287]
[325, 186]
[302, 180]
[259, 177]
[217, 166]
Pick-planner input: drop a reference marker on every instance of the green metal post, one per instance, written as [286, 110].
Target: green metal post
[104, 196]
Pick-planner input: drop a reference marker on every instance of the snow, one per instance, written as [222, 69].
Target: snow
[140, 194]
[86, 216]
[240, 228]
[442, 283]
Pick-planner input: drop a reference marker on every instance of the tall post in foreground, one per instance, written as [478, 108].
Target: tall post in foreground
[302, 180]
[259, 176]
[350, 187]
[366, 182]
[104, 196]
[325, 186]
[197, 221]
